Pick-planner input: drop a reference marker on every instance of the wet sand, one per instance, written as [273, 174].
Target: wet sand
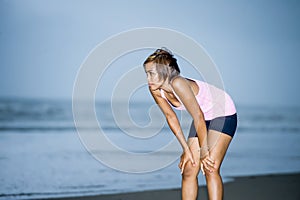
[273, 187]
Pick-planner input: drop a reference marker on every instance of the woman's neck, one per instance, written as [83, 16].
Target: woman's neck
[166, 86]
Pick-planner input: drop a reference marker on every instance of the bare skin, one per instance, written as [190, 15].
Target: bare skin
[217, 153]
[213, 178]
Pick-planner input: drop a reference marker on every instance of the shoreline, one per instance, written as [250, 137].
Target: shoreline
[258, 187]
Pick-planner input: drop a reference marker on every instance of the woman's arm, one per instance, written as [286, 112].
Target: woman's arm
[171, 118]
[187, 97]
[174, 125]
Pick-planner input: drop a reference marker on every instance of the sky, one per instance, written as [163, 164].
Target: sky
[255, 44]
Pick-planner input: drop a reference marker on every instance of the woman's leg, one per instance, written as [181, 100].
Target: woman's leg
[219, 143]
[190, 173]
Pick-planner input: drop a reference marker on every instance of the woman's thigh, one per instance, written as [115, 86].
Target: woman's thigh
[218, 144]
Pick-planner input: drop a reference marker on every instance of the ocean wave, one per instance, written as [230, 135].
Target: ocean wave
[56, 116]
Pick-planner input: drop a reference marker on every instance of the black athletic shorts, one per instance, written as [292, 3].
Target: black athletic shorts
[226, 124]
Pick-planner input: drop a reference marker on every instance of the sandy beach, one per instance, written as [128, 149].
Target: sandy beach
[273, 187]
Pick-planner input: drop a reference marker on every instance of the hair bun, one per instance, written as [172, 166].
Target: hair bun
[164, 51]
[167, 50]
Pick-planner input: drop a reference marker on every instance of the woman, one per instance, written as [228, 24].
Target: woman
[214, 121]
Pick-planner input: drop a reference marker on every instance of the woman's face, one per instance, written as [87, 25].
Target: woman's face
[152, 76]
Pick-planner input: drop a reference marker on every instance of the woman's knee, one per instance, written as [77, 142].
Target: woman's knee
[190, 171]
[213, 174]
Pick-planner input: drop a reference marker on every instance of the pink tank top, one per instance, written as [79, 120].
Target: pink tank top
[213, 101]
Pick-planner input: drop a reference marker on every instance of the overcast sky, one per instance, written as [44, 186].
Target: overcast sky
[255, 44]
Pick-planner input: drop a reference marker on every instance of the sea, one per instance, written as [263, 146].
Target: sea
[43, 153]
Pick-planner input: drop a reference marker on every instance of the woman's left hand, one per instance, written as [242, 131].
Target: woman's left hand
[186, 157]
[207, 164]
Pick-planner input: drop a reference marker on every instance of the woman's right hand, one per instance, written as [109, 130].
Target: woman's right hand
[186, 157]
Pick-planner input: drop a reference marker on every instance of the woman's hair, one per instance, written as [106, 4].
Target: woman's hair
[165, 63]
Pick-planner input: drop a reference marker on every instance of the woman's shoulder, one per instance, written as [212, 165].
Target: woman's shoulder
[178, 81]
